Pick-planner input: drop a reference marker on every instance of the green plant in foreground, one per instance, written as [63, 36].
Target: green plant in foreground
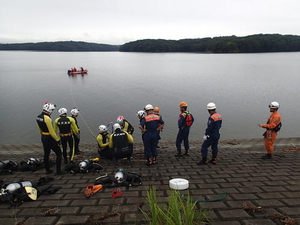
[178, 211]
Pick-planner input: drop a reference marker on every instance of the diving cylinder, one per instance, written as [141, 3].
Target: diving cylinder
[3, 163]
[84, 164]
[15, 186]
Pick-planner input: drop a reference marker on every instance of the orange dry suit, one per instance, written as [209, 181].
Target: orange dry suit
[270, 134]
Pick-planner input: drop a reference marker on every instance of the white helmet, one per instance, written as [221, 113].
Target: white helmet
[48, 107]
[102, 128]
[116, 126]
[141, 113]
[119, 176]
[274, 105]
[74, 111]
[211, 106]
[148, 107]
[120, 119]
[62, 111]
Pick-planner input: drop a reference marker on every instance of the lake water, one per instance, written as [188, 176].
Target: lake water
[118, 83]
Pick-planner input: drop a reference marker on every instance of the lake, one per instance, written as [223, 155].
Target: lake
[119, 83]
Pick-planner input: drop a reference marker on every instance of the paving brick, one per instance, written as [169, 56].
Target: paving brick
[56, 203]
[72, 220]
[243, 196]
[240, 172]
[11, 221]
[84, 202]
[270, 195]
[215, 222]
[269, 203]
[96, 209]
[295, 211]
[41, 220]
[291, 202]
[249, 189]
[258, 222]
[291, 194]
[235, 214]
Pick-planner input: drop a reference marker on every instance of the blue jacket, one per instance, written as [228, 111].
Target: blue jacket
[214, 124]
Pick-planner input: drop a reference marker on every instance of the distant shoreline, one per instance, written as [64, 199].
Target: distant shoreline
[258, 43]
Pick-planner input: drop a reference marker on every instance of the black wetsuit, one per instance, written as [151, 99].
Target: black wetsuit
[76, 138]
[49, 140]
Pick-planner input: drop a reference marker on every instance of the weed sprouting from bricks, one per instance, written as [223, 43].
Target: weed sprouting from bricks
[252, 208]
[96, 219]
[51, 212]
[285, 219]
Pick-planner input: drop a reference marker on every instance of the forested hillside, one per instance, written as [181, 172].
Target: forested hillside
[229, 44]
[60, 46]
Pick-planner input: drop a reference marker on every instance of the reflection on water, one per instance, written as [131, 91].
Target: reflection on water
[241, 85]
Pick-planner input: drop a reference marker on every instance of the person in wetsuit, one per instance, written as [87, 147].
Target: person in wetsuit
[67, 127]
[75, 113]
[103, 143]
[125, 125]
[49, 138]
[121, 143]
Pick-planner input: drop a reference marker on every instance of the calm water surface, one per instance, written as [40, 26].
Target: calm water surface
[242, 85]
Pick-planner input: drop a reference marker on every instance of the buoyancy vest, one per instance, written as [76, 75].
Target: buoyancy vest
[41, 122]
[130, 128]
[64, 125]
[74, 117]
[188, 119]
[120, 139]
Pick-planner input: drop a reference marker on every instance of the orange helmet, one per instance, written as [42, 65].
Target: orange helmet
[156, 109]
[182, 104]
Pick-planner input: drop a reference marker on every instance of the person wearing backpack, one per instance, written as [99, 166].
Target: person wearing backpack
[212, 135]
[272, 127]
[125, 125]
[185, 121]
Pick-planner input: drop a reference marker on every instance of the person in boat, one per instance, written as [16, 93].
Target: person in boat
[67, 127]
[81, 69]
[49, 137]
[103, 143]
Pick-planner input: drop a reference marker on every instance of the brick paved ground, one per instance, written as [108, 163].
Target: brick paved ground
[273, 184]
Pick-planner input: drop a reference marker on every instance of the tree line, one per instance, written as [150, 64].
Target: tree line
[61, 46]
[228, 44]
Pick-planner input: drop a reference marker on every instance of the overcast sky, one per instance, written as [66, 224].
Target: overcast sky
[119, 21]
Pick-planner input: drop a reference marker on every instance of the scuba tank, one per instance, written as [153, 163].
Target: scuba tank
[84, 165]
[3, 163]
[33, 160]
[8, 166]
[17, 185]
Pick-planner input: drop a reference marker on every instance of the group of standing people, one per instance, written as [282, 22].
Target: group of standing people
[68, 134]
[211, 136]
[119, 144]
